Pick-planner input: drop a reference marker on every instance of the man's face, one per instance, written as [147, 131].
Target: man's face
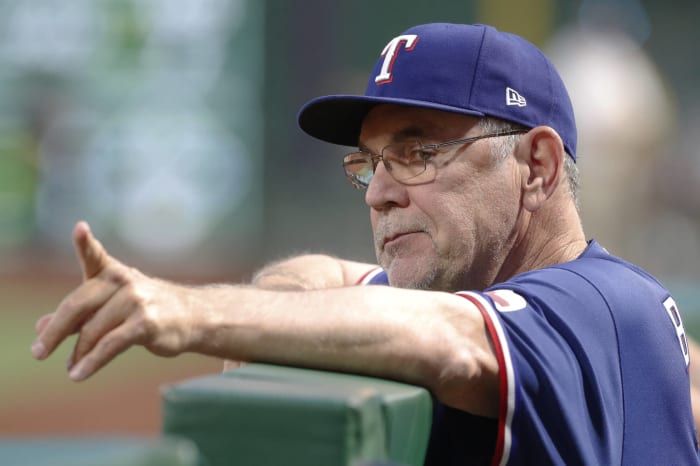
[455, 232]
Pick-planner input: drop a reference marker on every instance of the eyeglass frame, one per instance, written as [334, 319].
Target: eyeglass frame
[375, 158]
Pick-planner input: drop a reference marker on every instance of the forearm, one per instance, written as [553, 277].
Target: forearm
[435, 340]
[305, 272]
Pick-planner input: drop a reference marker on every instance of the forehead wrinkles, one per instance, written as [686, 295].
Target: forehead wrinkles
[386, 124]
[412, 131]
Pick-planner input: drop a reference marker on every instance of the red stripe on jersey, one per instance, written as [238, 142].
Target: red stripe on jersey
[502, 378]
[368, 276]
[498, 299]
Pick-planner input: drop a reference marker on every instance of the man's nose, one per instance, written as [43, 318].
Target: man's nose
[384, 190]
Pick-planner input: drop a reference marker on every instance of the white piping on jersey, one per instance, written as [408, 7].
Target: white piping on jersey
[487, 310]
[370, 275]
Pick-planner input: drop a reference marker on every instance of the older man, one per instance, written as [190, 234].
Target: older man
[539, 346]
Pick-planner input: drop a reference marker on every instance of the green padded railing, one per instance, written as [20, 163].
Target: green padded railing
[273, 415]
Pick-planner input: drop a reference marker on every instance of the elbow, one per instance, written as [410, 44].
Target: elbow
[467, 379]
[301, 273]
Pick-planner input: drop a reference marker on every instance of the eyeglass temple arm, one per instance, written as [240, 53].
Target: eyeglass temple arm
[475, 138]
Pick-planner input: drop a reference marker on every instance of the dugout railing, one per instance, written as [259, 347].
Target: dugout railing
[261, 415]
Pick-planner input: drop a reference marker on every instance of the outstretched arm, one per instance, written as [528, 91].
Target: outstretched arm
[437, 340]
[304, 273]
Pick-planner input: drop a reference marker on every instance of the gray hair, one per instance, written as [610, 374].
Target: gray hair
[502, 147]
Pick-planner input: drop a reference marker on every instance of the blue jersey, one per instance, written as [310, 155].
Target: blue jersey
[593, 368]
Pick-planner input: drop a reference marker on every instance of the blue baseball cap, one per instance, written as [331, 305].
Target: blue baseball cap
[467, 69]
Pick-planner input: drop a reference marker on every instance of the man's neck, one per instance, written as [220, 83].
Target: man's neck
[550, 238]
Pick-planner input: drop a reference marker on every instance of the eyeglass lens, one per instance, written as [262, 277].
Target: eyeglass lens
[405, 161]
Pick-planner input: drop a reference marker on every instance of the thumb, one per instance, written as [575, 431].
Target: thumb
[91, 254]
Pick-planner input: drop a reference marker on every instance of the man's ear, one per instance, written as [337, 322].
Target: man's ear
[540, 155]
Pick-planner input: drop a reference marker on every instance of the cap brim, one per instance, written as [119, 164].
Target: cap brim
[338, 118]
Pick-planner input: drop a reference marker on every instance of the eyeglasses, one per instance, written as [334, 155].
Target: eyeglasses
[406, 162]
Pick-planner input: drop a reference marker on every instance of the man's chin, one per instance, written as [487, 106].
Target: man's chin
[412, 274]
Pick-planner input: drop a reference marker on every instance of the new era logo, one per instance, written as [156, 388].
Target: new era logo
[513, 98]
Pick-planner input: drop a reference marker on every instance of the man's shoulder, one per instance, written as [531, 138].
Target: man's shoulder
[595, 268]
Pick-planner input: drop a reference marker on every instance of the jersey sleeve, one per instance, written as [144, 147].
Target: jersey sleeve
[375, 276]
[558, 378]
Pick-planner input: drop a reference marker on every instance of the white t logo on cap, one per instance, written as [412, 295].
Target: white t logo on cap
[390, 52]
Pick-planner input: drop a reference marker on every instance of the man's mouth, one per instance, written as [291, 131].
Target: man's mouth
[395, 237]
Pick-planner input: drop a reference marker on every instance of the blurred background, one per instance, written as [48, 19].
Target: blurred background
[171, 127]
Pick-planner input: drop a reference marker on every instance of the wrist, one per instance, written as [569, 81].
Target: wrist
[211, 314]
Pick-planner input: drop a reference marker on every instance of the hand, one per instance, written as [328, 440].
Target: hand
[114, 308]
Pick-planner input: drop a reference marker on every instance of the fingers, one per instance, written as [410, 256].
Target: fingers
[107, 348]
[92, 255]
[70, 315]
[111, 315]
[107, 310]
[42, 322]
[38, 348]
[115, 328]
[78, 307]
